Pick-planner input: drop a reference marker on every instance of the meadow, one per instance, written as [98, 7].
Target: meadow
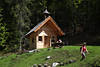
[64, 54]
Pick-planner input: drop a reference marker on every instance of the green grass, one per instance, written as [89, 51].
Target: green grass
[58, 55]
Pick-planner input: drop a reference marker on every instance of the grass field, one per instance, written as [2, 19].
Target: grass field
[58, 55]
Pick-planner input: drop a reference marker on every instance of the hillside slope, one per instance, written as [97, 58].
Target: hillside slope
[63, 55]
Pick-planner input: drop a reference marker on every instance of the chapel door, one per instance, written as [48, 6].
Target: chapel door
[46, 41]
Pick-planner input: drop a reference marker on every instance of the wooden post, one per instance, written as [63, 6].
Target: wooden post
[43, 41]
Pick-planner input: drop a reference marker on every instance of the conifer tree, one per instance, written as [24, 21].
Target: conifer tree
[3, 31]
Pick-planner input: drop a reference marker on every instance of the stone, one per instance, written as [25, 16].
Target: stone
[55, 64]
[71, 61]
[31, 51]
[35, 65]
[36, 50]
[61, 64]
[48, 57]
[40, 65]
[45, 65]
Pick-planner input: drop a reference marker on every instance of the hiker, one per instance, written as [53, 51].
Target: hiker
[83, 50]
[59, 43]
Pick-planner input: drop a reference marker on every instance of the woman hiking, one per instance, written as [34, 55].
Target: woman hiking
[83, 50]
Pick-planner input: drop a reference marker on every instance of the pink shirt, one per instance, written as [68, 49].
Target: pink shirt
[83, 48]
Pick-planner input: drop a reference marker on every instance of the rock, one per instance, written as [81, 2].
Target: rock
[61, 64]
[55, 64]
[36, 50]
[40, 65]
[31, 51]
[45, 65]
[35, 65]
[48, 57]
[71, 61]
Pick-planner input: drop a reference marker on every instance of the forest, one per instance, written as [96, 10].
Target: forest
[79, 19]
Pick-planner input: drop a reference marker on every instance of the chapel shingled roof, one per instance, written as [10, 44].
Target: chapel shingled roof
[32, 30]
[38, 26]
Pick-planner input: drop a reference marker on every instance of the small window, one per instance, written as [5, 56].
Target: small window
[40, 38]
